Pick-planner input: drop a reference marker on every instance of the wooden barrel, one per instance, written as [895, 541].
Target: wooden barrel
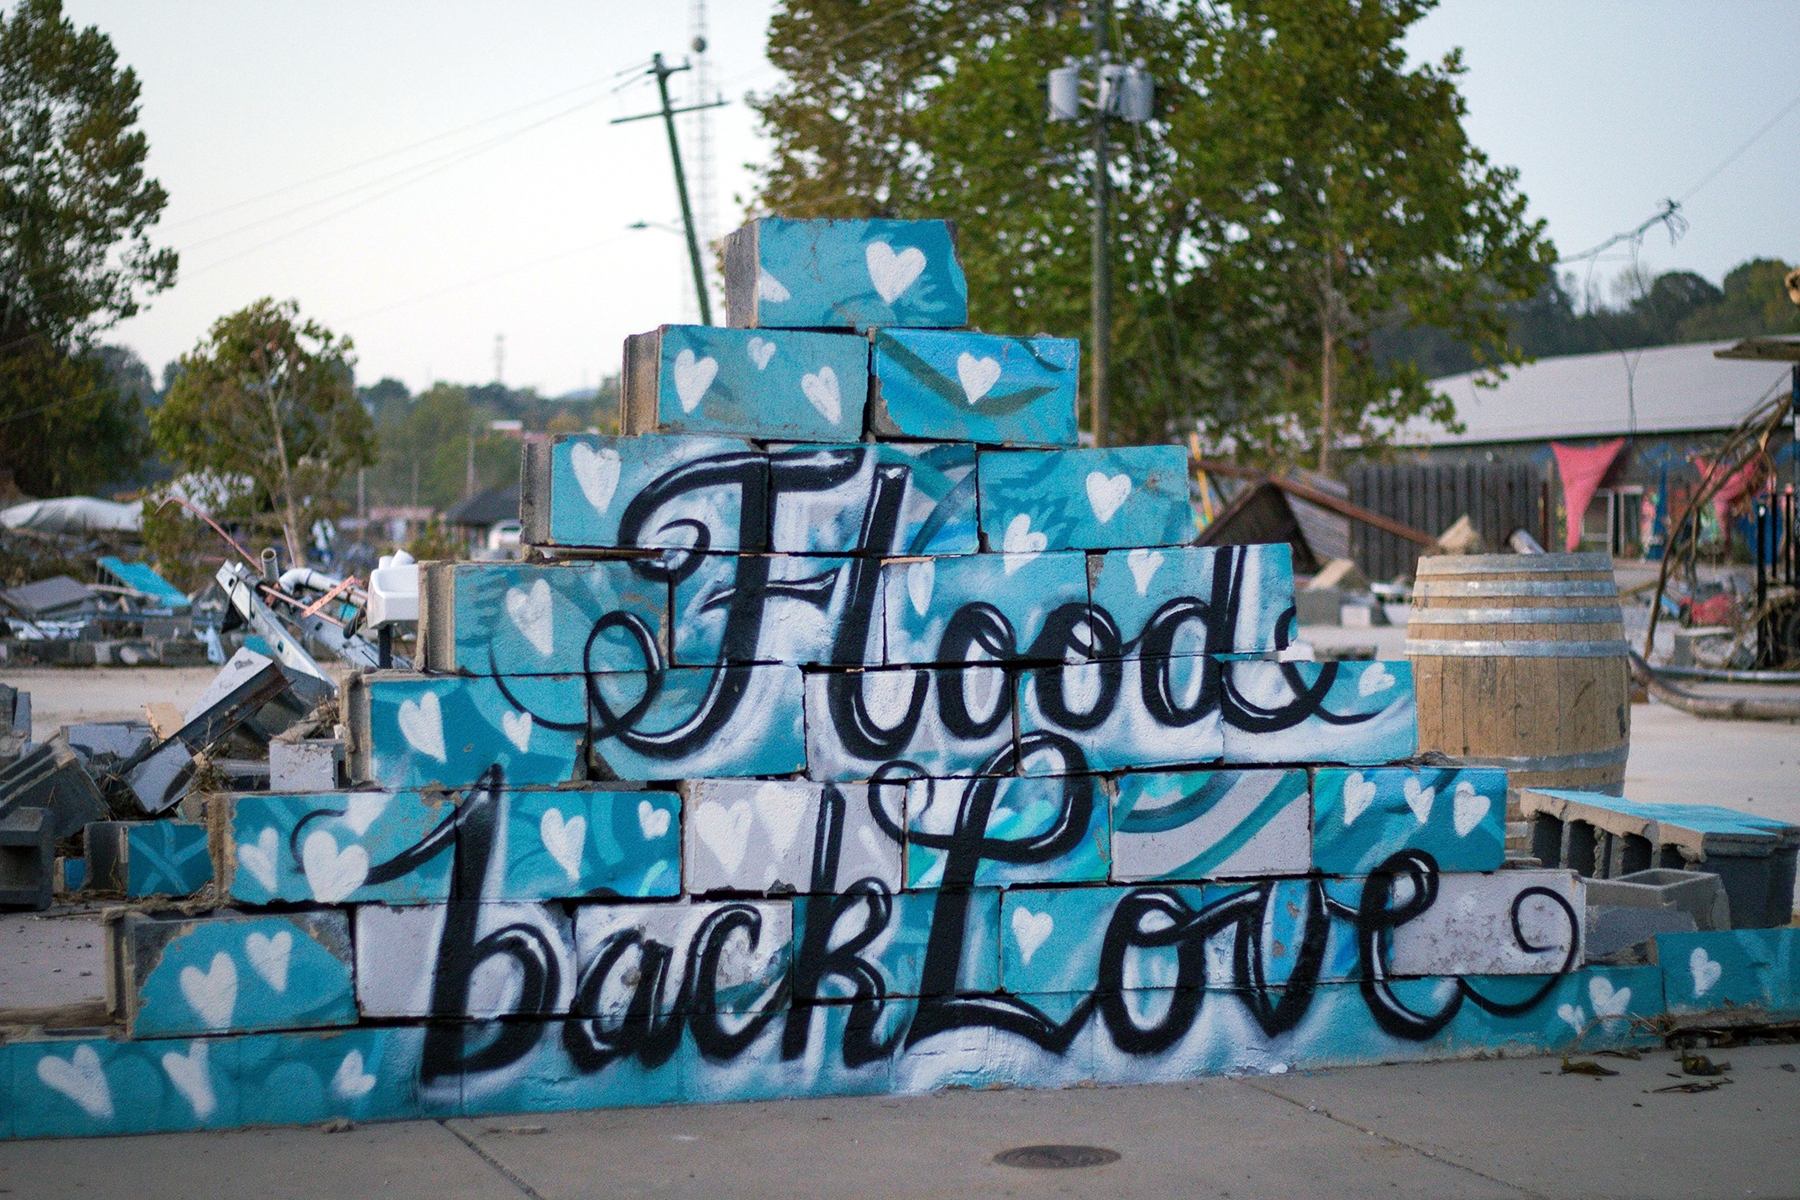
[1519, 660]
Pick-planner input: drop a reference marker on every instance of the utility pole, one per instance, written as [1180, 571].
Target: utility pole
[668, 113]
[1099, 16]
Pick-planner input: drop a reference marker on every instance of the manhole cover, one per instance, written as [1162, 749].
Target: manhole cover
[1053, 1158]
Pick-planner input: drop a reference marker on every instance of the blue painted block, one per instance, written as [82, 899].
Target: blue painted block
[1128, 497]
[850, 1053]
[849, 273]
[1292, 931]
[992, 1055]
[1118, 715]
[1356, 713]
[879, 498]
[365, 1074]
[648, 491]
[544, 619]
[776, 383]
[1211, 825]
[977, 607]
[555, 1065]
[899, 949]
[989, 830]
[730, 956]
[776, 608]
[1180, 600]
[74, 874]
[780, 836]
[88, 1087]
[1362, 818]
[338, 847]
[467, 958]
[412, 731]
[1749, 975]
[1052, 941]
[691, 722]
[569, 843]
[149, 858]
[975, 387]
[909, 722]
[176, 977]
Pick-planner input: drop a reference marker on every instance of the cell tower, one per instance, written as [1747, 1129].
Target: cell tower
[700, 138]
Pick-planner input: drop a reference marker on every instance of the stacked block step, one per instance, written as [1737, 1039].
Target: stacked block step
[865, 734]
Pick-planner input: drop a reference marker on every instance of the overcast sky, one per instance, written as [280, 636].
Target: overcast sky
[427, 175]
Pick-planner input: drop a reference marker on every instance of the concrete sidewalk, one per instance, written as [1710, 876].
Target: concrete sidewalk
[1504, 1128]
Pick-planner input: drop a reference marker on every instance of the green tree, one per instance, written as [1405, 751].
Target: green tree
[75, 255]
[266, 407]
[1299, 191]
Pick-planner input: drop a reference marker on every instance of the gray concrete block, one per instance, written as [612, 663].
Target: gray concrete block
[27, 858]
[1612, 928]
[309, 766]
[1700, 894]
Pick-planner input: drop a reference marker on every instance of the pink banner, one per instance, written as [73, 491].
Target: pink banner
[1582, 469]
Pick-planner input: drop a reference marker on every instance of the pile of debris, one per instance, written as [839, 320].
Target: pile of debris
[131, 617]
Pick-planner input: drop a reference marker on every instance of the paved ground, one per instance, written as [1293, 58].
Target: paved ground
[1478, 1129]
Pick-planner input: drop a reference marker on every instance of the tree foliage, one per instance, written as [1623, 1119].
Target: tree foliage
[1300, 189]
[265, 410]
[75, 254]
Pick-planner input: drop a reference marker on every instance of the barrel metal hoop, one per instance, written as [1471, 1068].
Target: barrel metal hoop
[1550, 762]
[1515, 616]
[1450, 649]
[1516, 587]
[1507, 564]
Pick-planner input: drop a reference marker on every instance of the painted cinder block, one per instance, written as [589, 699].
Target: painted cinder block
[996, 830]
[1178, 600]
[170, 976]
[981, 1055]
[336, 847]
[777, 608]
[876, 499]
[572, 843]
[147, 858]
[1211, 825]
[412, 731]
[1117, 715]
[1362, 818]
[1100, 499]
[975, 387]
[81, 1088]
[1052, 940]
[556, 1065]
[778, 836]
[691, 722]
[1744, 976]
[857, 1046]
[844, 274]
[729, 956]
[645, 492]
[1355, 713]
[899, 949]
[544, 619]
[365, 1074]
[464, 959]
[909, 722]
[1506, 923]
[1281, 933]
[985, 606]
[777, 383]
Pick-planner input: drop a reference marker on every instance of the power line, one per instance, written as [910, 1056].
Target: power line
[1733, 156]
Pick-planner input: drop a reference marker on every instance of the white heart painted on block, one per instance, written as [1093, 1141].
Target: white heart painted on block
[977, 375]
[1418, 799]
[1106, 493]
[564, 840]
[259, 859]
[821, 390]
[770, 288]
[1031, 929]
[529, 610]
[652, 820]
[597, 471]
[422, 725]
[517, 728]
[81, 1078]
[1573, 1015]
[1374, 678]
[1608, 1000]
[781, 808]
[893, 273]
[1143, 564]
[1359, 793]
[1022, 543]
[269, 957]
[1469, 808]
[761, 350]
[363, 809]
[921, 581]
[188, 1072]
[332, 873]
[350, 1081]
[1705, 970]
[724, 831]
[212, 993]
[692, 377]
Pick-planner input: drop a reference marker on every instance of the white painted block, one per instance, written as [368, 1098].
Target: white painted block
[403, 955]
[304, 766]
[1470, 929]
[767, 836]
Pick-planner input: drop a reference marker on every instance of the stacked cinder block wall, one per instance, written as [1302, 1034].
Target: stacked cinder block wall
[852, 731]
